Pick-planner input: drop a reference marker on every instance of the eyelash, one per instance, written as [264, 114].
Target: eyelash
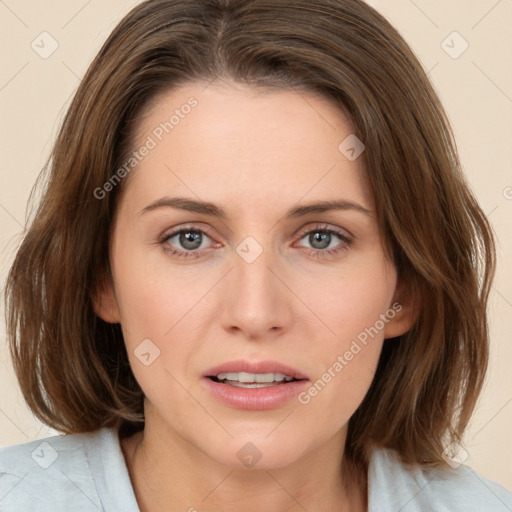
[318, 253]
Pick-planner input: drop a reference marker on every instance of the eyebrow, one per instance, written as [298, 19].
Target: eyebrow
[206, 208]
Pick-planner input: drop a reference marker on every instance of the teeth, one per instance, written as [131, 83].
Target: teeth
[249, 385]
[254, 377]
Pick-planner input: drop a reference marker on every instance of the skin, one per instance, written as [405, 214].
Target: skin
[255, 154]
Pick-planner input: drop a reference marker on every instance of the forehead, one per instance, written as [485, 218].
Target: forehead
[249, 146]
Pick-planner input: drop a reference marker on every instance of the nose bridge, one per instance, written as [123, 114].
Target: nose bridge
[253, 283]
[251, 271]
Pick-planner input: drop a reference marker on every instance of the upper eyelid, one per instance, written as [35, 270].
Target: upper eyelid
[324, 227]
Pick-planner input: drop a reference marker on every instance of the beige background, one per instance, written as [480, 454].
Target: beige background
[475, 87]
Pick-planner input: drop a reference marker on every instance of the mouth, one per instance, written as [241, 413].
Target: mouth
[250, 375]
[262, 385]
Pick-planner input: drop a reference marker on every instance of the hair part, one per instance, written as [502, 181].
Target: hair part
[72, 366]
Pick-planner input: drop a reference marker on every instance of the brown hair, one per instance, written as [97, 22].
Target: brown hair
[73, 367]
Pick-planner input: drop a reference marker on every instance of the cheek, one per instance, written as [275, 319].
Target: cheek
[347, 365]
[152, 295]
[160, 306]
[351, 299]
[355, 306]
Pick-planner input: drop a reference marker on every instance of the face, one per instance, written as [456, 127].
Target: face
[255, 281]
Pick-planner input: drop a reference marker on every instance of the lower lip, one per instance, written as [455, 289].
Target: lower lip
[257, 399]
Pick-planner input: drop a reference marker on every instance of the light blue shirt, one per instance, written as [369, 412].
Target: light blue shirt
[87, 472]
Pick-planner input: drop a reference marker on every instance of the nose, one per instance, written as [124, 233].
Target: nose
[256, 301]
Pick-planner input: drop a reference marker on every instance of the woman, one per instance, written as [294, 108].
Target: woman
[257, 279]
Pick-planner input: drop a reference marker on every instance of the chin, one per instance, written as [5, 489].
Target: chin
[258, 452]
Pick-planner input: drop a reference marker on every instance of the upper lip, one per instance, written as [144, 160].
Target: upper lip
[241, 365]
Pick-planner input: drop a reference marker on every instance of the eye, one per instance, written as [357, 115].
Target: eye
[325, 241]
[190, 239]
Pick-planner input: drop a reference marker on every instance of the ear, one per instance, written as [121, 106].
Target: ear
[406, 307]
[105, 302]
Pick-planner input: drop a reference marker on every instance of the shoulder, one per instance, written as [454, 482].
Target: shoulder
[54, 473]
[393, 485]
